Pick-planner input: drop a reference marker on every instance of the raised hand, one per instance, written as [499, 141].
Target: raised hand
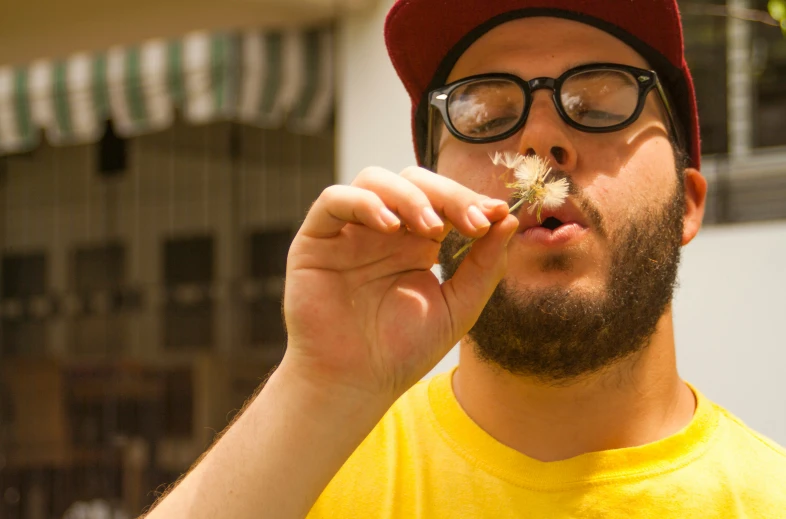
[362, 307]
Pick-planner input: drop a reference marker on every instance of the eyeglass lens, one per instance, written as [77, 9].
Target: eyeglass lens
[490, 107]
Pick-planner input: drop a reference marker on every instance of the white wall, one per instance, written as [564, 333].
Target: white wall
[372, 116]
[729, 317]
[730, 337]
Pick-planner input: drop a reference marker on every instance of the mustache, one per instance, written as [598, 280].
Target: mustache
[584, 203]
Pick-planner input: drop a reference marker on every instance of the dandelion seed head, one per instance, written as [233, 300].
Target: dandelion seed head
[525, 177]
[555, 193]
[508, 159]
[532, 183]
[535, 165]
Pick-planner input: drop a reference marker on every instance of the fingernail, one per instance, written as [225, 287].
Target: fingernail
[388, 218]
[431, 219]
[491, 204]
[477, 218]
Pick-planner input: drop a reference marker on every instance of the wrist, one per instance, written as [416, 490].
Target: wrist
[322, 397]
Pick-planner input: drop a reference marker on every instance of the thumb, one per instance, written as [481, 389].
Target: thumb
[470, 288]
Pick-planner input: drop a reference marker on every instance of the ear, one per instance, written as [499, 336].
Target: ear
[695, 200]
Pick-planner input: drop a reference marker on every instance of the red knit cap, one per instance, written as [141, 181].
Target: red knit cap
[425, 38]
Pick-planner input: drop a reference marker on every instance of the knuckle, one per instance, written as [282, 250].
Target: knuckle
[412, 173]
[464, 197]
[369, 201]
[331, 193]
[369, 175]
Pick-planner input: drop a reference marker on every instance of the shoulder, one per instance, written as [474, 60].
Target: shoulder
[755, 463]
[751, 442]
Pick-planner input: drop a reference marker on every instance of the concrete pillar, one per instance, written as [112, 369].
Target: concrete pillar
[740, 82]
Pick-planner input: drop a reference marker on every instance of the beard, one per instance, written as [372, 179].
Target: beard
[557, 335]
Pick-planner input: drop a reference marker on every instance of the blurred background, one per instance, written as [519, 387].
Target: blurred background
[156, 159]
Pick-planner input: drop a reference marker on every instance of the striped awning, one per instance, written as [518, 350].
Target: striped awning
[268, 79]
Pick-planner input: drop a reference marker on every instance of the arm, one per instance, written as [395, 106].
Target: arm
[366, 319]
[278, 455]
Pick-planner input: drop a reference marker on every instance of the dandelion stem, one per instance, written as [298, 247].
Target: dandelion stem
[464, 248]
[515, 207]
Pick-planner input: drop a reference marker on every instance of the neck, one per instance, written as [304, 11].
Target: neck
[637, 401]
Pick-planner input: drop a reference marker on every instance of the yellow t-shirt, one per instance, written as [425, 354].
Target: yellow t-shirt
[427, 459]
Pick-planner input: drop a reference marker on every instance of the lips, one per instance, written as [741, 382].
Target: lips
[552, 220]
[557, 227]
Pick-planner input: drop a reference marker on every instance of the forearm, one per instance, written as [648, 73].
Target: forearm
[279, 455]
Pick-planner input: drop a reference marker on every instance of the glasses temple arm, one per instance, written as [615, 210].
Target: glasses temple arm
[675, 126]
[429, 151]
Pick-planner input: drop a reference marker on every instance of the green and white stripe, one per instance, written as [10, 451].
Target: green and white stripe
[210, 72]
[62, 101]
[273, 77]
[287, 75]
[138, 93]
[316, 101]
[261, 78]
[17, 132]
[85, 120]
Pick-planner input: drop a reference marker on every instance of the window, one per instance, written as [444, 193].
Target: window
[110, 400]
[188, 277]
[178, 403]
[705, 51]
[269, 251]
[739, 67]
[23, 304]
[706, 40]
[769, 72]
[98, 277]
[267, 266]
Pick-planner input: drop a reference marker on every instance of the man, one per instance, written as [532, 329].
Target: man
[567, 401]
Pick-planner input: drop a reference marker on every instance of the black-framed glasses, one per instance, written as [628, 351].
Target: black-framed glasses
[595, 98]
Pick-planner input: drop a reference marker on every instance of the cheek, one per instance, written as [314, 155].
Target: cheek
[648, 175]
[652, 172]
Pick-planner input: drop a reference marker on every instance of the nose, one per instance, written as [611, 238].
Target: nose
[545, 134]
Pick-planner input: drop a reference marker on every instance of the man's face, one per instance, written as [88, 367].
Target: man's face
[574, 305]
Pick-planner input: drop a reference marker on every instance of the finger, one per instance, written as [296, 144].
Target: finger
[471, 213]
[470, 288]
[339, 205]
[404, 198]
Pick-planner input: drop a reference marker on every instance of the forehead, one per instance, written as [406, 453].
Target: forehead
[542, 46]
